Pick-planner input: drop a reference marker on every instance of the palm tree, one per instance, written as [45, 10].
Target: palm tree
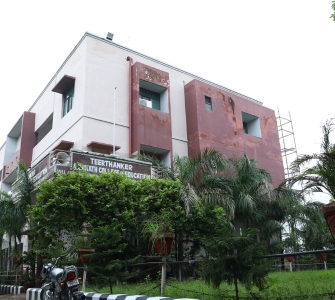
[315, 233]
[333, 8]
[10, 220]
[13, 207]
[303, 220]
[257, 204]
[13, 211]
[250, 185]
[321, 176]
[199, 177]
[304, 227]
[313, 173]
[200, 181]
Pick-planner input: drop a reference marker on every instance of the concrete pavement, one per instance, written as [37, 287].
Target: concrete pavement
[11, 297]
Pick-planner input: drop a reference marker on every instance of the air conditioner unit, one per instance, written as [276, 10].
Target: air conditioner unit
[145, 102]
[62, 158]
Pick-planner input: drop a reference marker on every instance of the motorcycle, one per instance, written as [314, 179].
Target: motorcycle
[60, 283]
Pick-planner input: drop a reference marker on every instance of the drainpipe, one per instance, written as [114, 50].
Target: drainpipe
[130, 60]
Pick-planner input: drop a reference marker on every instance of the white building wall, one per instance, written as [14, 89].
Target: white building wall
[50, 102]
[74, 133]
[102, 131]
[178, 114]
[108, 68]
[99, 67]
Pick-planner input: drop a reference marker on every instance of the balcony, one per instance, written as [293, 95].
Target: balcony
[8, 175]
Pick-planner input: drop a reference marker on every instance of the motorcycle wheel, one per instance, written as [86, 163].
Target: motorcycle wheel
[47, 295]
[66, 295]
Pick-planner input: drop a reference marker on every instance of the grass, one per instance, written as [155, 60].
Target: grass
[305, 284]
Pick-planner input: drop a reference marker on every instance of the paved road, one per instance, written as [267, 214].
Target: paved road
[11, 297]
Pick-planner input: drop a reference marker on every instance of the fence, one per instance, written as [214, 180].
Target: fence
[10, 279]
[189, 269]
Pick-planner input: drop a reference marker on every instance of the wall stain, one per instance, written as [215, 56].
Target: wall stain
[158, 121]
[232, 104]
[154, 76]
[204, 136]
[223, 96]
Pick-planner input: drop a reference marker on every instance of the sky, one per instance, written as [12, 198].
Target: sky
[280, 53]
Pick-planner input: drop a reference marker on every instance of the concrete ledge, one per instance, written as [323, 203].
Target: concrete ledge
[10, 289]
[34, 294]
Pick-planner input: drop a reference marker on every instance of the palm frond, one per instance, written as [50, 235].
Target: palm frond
[319, 177]
[197, 176]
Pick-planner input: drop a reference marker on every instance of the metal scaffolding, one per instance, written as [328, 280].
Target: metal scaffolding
[287, 142]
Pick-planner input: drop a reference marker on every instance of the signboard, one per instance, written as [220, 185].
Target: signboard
[93, 164]
[98, 165]
[41, 171]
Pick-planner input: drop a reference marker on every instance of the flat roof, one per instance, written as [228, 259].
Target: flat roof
[88, 34]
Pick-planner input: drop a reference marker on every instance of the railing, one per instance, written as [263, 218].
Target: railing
[11, 280]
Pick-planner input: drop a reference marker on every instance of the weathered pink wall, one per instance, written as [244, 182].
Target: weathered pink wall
[28, 137]
[222, 128]
[150, 126]
[28, 142]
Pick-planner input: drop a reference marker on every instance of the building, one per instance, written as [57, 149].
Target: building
[159, 109]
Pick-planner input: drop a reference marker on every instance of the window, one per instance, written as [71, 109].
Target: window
[251, 125]
[153, 96]
[65, 87]
[150, 99]
[245, 127]
[162, 155]
[208, 103]
[68, 101]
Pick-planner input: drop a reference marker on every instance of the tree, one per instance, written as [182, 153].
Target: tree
[312, 173]
[111, 255]
[304, 222]
[65, 203]
[333, 8]
[14, 207]
[204, 220]
[230, 259]
[198, 177]
[256, 203]
[316, 234]
[320, 177]
[199, 183]
[69, 201]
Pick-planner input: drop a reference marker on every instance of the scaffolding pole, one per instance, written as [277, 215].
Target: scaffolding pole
[287, 142]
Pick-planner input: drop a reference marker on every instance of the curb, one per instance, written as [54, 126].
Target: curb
[34, 294]
[10, 289]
